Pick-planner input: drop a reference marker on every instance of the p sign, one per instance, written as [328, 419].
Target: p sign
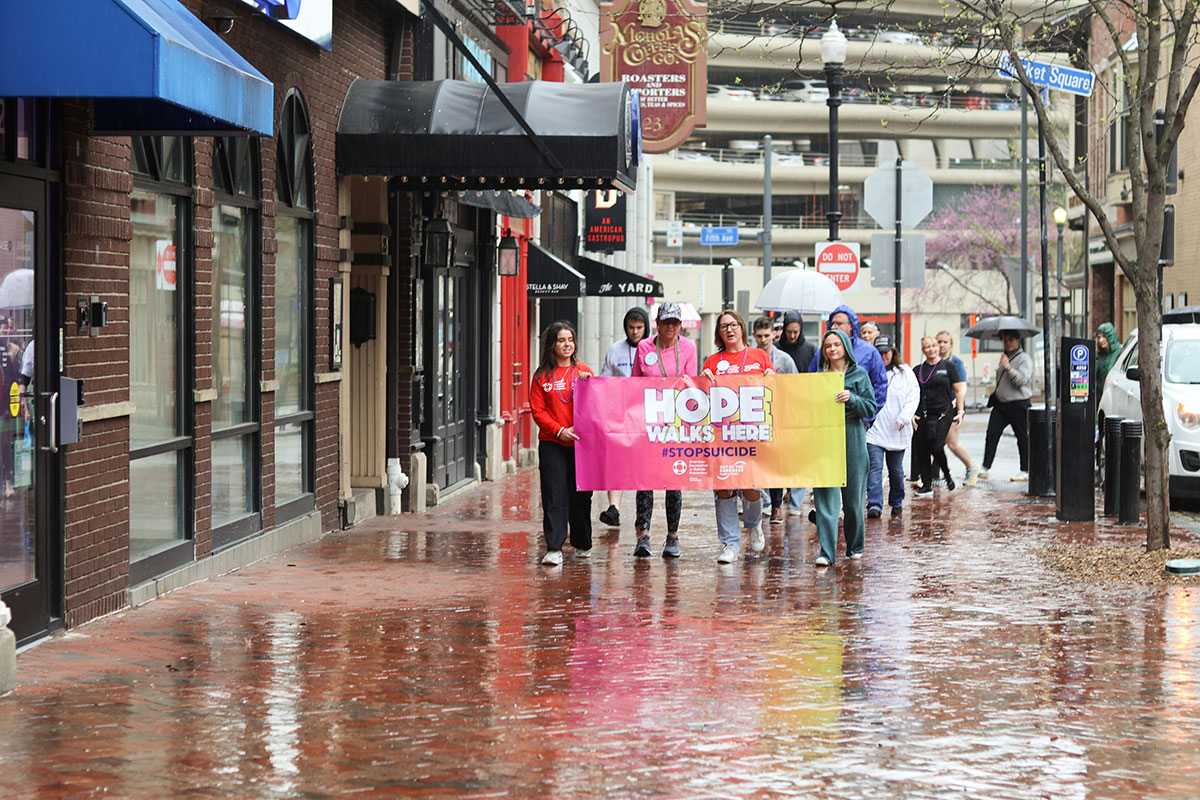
[839, 262]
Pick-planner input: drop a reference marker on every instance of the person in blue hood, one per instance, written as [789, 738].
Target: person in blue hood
[845, 320]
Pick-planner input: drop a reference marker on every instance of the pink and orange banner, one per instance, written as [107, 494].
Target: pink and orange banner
[736, 432]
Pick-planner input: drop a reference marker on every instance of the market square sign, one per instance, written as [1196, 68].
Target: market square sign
[658, 46]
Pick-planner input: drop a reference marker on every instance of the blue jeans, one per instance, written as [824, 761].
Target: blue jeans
[895, 465]
[795, 499]
[728, 530]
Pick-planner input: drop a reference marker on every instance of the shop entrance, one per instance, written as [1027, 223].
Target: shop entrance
[29, 466]
[450, 401]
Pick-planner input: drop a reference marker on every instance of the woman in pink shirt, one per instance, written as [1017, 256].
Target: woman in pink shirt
[665, 355]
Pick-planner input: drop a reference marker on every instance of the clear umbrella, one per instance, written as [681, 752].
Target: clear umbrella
[16, 290]
[803, 290]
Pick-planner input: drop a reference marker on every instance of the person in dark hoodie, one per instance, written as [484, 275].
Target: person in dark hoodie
[1108, 347]
[845, 320]
[792, 342]
[618, 362]
[858, 398]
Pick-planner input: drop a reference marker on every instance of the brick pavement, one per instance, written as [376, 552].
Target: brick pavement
[431, 656]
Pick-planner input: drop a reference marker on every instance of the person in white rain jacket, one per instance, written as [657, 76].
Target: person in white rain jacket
[892, 432]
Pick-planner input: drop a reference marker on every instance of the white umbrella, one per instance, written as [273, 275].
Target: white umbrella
[16, 290]
[803, 290]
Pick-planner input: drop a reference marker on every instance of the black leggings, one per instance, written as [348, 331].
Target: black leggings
[645, 510]
[929, 446]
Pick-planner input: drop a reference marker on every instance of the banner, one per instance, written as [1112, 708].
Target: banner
[737, 432]
[604, 220]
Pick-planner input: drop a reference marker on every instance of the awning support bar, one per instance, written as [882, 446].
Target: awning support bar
[445, 27]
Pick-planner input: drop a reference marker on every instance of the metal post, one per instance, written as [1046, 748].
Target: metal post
[1023, 301]
[896, 279]
[767, 203]
[833, 79]
[1058, 325]
[1045, 250]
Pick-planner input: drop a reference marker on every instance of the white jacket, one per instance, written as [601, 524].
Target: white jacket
[903, 395]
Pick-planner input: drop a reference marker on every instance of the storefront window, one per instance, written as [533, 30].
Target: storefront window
[160, 431]
[294, 412]
[235, 429]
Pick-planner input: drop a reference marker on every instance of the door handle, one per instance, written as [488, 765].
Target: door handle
[53, 427]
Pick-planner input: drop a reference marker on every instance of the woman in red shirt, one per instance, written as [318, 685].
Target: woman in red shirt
[735, 356]
[552, 400]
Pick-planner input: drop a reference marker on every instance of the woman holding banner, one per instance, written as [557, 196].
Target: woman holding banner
[735, 356]
[665, 355]
[551, 399]
[936, 412]
[837, 355]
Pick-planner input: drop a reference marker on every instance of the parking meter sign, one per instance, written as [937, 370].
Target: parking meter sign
[1080, 374]
[839, 261]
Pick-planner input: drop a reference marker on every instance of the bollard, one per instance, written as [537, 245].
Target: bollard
[1112, 466]
[1129, 512]
[1041, 476]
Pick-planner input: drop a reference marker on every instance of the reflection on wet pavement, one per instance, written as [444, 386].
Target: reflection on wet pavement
[432, 656]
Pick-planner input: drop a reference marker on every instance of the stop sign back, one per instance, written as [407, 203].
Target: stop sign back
[839, 261]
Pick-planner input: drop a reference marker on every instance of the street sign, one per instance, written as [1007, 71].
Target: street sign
[1051, 76]
[912, 261]
[839, 261]
[916, 195]
[675, 233]
[715, 237]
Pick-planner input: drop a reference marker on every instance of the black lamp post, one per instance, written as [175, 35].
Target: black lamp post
[1060, 220]
[509, 255]
[833, 53]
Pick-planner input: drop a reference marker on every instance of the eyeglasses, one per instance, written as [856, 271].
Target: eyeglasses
[729, 326]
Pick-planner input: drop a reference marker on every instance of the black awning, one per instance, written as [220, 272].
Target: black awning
[501, 202]
[550, 276]
[458, 134]
[604, 280]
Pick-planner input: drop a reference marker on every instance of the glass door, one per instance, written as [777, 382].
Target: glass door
[27, 408]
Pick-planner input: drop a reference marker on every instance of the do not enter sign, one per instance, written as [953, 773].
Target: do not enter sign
[839, 262]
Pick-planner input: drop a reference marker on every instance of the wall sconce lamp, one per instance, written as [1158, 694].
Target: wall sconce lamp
[508, 255]
[436, 245]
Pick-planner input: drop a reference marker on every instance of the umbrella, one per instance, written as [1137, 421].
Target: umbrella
[803, 290]
[990, 327]
[16, 290]
[691, 317]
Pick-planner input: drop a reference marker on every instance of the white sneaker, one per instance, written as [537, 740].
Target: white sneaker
[758, 542]
[729, 554]
[553, 558]
[766, 510]
[795, 512]
[982, 474]
[1020, 476]
[821, 561]
[583, 553]
[856, 556]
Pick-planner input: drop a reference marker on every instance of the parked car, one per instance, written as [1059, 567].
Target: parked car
[1122, 397]
[803, 90]
[729, 93]
[897, 37]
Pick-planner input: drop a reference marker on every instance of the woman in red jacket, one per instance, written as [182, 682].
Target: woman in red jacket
[552, 400]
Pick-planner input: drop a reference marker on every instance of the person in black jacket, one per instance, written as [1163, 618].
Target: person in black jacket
[793, 343]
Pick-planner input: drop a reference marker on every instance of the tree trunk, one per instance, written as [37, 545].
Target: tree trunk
[1155, 435]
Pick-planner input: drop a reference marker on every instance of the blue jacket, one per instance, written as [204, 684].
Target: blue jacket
[865, 354]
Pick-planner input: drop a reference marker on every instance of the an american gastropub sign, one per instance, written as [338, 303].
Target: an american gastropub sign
[658, 46]
[604, 221]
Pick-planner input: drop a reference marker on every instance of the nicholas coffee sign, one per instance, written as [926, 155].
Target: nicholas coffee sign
[604, 221]
[658, 47]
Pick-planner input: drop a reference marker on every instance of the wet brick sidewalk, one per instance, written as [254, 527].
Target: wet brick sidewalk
[430, 656]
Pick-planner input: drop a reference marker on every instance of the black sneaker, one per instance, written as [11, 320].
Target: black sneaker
[897, 511]
[949, 484]
[671, 548]
[643, 546]
[611, 517]
[812, 516]
[874, 512]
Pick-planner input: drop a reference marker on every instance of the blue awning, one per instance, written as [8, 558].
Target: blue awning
[152, 67]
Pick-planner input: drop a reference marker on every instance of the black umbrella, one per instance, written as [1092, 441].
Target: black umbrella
[991, 327]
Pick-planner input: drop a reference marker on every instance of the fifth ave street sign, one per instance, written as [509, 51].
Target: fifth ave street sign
[1051, 76]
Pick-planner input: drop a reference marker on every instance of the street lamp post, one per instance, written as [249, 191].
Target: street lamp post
[1060, 221]
[833, 53]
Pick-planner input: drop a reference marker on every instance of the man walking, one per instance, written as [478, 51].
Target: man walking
[618, 362]
[764, 335]
[1010, 402]
[845, 320]
[946, 352]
